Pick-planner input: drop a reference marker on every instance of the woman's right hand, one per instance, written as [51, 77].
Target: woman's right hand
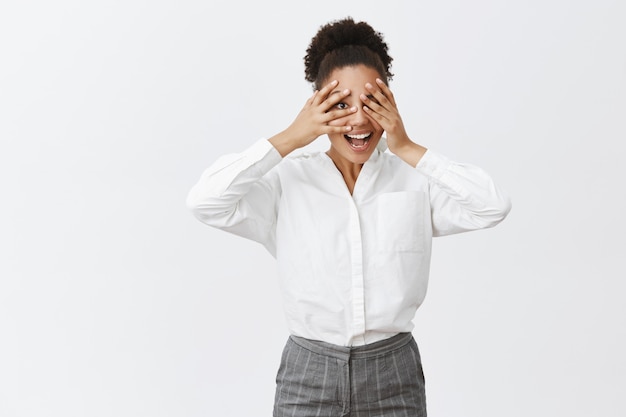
[312, 121]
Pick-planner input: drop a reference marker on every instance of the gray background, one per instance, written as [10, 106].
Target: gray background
[115, 301]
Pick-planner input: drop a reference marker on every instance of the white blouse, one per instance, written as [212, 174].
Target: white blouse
[353, 269]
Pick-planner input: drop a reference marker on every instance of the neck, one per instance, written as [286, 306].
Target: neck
[349, 170]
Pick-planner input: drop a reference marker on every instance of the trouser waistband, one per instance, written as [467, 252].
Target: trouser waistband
[356, 352]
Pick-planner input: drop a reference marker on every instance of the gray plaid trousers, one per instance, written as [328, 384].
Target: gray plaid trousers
[382, 379]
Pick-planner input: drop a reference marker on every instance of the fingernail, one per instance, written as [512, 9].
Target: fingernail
[368, 85]
[353, 109]
[348, 128]
[379, 81]
[333, 82]
[346, 91]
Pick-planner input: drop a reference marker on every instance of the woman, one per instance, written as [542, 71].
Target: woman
[351, 230]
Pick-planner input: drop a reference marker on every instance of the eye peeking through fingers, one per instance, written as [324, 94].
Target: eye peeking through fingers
[372, 98]
[342, 106]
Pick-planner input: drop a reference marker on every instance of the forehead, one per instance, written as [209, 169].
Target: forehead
[354, 75]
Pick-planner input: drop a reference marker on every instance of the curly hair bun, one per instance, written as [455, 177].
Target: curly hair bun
[344, 43]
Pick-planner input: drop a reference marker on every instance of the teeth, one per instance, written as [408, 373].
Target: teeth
[361, 136]
[357, 146]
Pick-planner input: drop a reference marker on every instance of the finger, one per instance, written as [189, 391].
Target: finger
[386, 91]
[310, 99]
[376, 116]
[378, 95]
[325, 91]
[338, 114]
[336, 129]
[334, 98]
[372, 107]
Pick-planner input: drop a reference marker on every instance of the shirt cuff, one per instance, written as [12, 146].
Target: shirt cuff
[263, 150]
[433, 165]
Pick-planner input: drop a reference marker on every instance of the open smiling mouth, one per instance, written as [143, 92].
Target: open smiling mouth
[358, 141]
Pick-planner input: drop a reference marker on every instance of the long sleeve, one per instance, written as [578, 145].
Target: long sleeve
[463, 197]
[239, 194]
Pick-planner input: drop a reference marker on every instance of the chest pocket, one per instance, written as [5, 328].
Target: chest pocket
[401, 218]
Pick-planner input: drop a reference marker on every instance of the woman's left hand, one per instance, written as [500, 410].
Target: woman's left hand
[381, 107]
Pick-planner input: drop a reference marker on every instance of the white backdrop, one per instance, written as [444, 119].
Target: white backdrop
[115, 301]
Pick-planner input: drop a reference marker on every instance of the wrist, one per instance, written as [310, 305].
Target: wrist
[407, 150]
[283, 143]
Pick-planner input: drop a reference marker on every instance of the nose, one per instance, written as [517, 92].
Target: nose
[358, 118]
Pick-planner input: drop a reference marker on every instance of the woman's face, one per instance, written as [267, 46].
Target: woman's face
[357, 146]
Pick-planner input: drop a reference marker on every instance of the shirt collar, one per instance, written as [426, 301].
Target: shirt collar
[380, 148]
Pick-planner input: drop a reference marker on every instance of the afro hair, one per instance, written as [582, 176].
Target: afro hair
[345, 43]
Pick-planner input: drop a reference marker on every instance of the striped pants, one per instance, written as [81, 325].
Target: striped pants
[381, 379]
